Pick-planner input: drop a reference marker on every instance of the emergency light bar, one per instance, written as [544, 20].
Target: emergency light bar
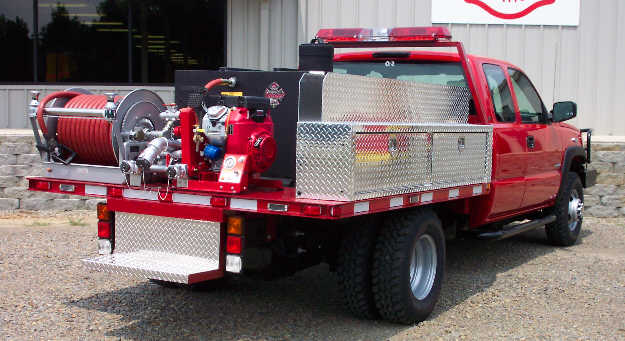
[424, 34]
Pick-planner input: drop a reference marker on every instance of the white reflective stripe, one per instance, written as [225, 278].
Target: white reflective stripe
[191, 199]
[454, 193]
[95, 190]
[137, 194]
[397, 201]
[425, 197]
[477, 190]
[244, 204]
[360, 207]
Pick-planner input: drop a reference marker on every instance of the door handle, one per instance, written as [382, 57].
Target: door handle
[531, 143]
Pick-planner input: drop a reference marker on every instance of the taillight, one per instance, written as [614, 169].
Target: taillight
[235, 225]
[106, 226]
[104, 230]
[103, 212]
[233, 244]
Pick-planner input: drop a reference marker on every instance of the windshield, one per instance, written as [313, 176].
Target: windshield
[440, 73]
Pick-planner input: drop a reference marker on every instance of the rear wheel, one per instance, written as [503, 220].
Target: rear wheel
[354, 270]
[569, 210]
[409, 266]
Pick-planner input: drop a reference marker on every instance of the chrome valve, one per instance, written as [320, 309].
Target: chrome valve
[34, 103]
[110, 107]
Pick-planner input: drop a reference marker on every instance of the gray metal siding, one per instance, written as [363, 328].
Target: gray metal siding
[14, 99]
[565, 63]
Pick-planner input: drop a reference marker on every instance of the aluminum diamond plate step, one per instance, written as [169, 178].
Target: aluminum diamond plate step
[157, 265]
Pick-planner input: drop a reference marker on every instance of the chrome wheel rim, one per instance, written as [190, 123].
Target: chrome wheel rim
[423, 266]
[576, 210]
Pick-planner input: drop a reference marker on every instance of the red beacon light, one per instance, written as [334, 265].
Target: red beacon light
[428, 33]
[343, 34]
[432, 33]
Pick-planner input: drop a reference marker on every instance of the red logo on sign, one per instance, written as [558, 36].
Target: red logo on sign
[518, 8]
[274, 91]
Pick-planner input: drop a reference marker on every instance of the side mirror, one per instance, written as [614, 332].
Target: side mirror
[563, 111]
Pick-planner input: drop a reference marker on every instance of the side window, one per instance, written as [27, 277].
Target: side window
[500, 93]
[530, 106]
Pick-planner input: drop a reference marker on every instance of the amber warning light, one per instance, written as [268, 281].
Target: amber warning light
[429, 33]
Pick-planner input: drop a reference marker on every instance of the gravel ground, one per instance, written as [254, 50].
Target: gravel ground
[519, 288]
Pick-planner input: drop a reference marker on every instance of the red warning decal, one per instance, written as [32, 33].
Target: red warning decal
[274, 91]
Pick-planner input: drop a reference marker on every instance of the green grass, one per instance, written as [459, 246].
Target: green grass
[77, 222]
[39, 223]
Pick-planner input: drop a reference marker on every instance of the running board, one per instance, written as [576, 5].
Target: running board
[518, 229]
[157, 265]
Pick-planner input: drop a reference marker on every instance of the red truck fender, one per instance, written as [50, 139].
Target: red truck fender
[575, 160]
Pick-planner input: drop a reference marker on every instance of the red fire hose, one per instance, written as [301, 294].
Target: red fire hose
[90, 138]
[219, 81]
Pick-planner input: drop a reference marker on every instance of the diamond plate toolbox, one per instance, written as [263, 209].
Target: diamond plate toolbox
[349, 161]
[163, 248]
[351, 98]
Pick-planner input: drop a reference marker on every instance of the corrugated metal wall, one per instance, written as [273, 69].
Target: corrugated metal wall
[14, 99]
[584, 63]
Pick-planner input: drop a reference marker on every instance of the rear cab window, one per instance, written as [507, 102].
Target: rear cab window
[439, 73]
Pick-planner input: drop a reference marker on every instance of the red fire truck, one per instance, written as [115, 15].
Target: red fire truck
[368, 161]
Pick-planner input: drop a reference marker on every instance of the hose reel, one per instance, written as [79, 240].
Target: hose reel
[82, 127]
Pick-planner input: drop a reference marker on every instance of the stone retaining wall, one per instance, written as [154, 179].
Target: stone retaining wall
[607, 197]
[19, 159]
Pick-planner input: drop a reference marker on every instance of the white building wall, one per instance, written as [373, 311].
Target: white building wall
[584, 63]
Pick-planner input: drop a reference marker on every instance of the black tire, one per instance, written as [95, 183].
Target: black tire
[392, 291]
[353, 268]
[560, 233]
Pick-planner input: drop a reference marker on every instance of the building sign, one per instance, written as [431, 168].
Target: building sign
[514, 12]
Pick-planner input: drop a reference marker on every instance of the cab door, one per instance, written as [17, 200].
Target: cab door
[542, 146]
[508, 183]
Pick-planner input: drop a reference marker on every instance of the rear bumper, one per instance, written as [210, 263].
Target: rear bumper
[164, 266]
[174, 249]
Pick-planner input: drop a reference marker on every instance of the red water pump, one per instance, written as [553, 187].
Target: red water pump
[232, 146]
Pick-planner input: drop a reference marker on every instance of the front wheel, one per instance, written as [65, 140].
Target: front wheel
[409, 266]
[569, 210]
